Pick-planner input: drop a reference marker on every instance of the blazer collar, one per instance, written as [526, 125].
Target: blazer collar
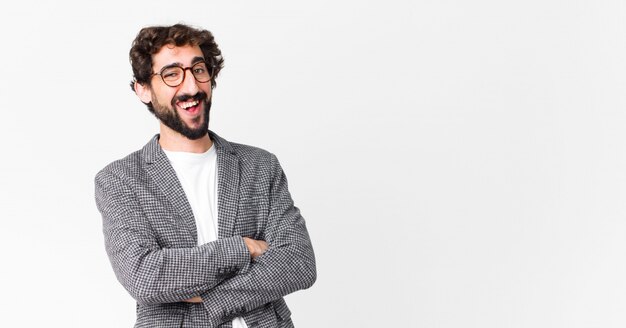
[227, 185]
[152, 151]
[162, 172]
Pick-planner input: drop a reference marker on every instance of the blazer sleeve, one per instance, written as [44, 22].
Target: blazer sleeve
[287, 266]
[152, 274]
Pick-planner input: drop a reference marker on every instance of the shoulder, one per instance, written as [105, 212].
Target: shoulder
[247, 154]
[124, 166]
[133, 165]
[122, 169]
[251, 153]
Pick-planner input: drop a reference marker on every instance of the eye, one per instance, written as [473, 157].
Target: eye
[200, 68]
[171, 73]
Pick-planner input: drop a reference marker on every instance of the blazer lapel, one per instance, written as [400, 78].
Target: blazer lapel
[227, 186]
[164, 176]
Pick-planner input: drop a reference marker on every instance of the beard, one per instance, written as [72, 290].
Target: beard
[169, 116]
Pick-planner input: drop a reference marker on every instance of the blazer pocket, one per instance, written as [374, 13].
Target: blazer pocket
[252, 214]
[159, 315]
[282, 311]
[261, 317]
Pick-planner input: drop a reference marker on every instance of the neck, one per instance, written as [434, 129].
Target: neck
[174, 141]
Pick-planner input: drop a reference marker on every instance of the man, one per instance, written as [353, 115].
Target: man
[202, 232]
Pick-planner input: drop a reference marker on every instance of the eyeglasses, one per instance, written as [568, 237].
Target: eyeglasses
[173, 76]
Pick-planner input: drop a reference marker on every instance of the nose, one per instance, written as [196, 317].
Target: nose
[189, 85]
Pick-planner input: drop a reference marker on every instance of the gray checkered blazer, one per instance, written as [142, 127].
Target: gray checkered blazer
[150, 238]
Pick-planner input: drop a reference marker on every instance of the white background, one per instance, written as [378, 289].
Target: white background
[459, 163]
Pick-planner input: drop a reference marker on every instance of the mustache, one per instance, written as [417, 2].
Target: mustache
[200, 96]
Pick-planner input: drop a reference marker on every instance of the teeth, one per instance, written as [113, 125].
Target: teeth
[188, 104]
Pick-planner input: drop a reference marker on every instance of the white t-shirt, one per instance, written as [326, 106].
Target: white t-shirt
[197, 174]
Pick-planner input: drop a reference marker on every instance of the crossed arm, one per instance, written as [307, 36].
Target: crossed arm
[256, 249]
[286, 266]
[150, 273]
[282, 264]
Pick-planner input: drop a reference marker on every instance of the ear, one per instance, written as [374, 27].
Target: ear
[143, 92]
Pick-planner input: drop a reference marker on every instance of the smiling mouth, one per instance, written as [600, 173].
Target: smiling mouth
[188, 105]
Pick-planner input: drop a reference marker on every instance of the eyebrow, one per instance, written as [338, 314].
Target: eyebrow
[194, 61]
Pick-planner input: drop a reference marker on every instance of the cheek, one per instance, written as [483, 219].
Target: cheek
[207, 89]
[163, 97]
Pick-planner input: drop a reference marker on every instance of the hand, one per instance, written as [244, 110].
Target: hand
[255, 247]
[196, 299]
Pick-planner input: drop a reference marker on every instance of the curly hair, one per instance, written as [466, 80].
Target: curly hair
[150, 40]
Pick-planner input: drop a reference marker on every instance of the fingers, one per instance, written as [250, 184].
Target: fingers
[262, 245]
[255, 247]
[196, 299]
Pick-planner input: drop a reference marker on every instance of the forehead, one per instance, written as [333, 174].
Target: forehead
[170, 54]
